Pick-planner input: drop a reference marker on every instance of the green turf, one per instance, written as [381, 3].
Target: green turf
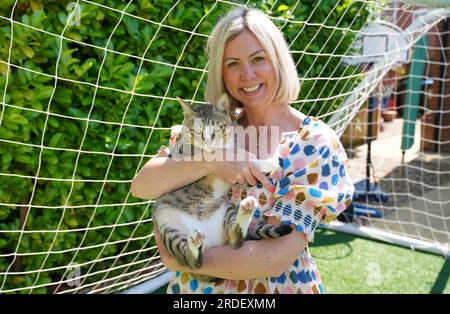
[350, 264]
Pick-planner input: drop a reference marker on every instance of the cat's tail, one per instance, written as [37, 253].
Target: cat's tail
[265, 231]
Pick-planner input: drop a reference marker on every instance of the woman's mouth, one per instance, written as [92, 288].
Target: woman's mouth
[251, 90]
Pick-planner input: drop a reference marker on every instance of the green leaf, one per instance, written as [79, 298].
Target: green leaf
[25, 159]
[282, 8]
[52, 159]
[77, 113]
[63, 95]
[3, 242]
[37, 18]
[55, 139]
[27, 50]
[7, 157]
[17, 118]
[43, 92]
[129, 214]
[53, 122]
[62, 17]
[132, 25]
[74, 36]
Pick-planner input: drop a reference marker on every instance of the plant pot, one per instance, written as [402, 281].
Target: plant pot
[389, 115]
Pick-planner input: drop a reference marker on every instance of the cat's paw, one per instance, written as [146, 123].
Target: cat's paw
[196, 238]
[267, 165]
[195, 243]
[248, 206]
[245, 213]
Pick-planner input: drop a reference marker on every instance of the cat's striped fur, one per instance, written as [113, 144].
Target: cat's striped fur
[200, 214]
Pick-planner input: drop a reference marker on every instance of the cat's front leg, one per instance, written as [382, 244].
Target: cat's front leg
[238, 220]
[195, 245]
[247, 208]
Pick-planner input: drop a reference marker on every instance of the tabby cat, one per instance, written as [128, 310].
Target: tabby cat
[200, 215]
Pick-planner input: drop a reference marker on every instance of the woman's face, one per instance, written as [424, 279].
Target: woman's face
[247, 72]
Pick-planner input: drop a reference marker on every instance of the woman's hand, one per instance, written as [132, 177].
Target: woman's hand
[240, 169]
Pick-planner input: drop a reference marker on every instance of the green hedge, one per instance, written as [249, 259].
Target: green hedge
[23, 132]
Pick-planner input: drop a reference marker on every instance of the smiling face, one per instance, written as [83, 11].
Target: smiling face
[247, 72]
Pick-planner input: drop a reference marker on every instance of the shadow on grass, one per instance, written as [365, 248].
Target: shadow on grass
[442, 279]
[324, 237]
[327, 238]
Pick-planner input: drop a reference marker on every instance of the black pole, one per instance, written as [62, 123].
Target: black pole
[369, 146]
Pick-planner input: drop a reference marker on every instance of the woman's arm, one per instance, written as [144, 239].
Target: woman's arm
[255, 259]
[161, 175]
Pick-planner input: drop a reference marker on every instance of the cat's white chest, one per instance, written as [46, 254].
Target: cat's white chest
[212, 227]
[220, 187]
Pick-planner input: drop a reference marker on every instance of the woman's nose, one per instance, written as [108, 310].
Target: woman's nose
[247, 72]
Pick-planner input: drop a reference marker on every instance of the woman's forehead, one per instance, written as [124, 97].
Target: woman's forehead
[243, 45]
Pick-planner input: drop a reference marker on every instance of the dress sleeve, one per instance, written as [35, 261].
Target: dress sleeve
[315, 186]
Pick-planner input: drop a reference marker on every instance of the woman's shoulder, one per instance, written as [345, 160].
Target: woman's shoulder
[313, 131]
[318, 127]
[295, 119]
[307, 124]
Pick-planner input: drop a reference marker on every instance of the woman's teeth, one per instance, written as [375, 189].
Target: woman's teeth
[251, 89]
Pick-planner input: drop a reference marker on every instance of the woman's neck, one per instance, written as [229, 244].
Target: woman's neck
[269, 116]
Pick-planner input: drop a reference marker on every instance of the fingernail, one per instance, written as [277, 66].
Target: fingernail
[271, 189]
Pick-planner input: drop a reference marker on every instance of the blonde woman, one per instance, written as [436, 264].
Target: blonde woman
[250, 61]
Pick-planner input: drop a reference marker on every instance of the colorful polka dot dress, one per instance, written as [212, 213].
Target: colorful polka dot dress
[312, 187]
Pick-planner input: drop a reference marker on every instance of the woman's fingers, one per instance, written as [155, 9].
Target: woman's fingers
[262, 178]
[242, 173]
[249, 177]
[240, 179]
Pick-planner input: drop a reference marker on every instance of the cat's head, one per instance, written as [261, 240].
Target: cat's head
[207, 126]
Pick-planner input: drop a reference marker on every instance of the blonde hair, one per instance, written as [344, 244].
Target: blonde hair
[271, 39]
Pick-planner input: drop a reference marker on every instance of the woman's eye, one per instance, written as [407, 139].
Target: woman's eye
[258, 59]
[232, 64]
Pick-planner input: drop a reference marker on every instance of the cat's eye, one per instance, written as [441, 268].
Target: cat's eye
[217, 128]
[198, 131]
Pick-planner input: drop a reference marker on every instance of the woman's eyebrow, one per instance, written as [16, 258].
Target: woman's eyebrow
[254, 53]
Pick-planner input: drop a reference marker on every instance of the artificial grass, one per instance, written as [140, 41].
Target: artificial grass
[349, 264]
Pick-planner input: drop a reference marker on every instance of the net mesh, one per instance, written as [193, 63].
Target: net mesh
[88, 96]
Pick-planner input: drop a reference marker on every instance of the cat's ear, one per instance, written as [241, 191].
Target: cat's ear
[223, 103]
[187, 110]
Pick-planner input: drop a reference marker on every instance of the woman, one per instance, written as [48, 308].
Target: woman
[250, 61]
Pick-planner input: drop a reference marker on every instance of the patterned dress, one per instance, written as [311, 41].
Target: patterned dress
[312, 187]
